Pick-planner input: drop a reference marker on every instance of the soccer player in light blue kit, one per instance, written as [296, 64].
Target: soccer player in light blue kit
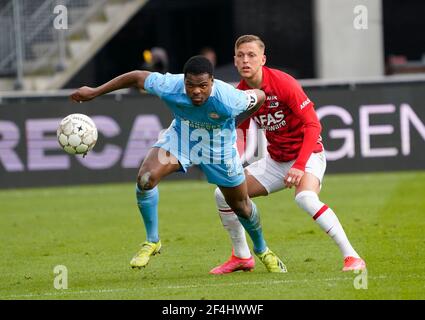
[202, 133]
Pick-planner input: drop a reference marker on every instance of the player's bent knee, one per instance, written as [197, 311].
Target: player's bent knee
[147, 180]
[307, 200]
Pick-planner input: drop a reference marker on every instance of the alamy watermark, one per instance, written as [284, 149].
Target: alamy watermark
[360, 21]
[61, 20]
[360, 281]
[205, 146]
[60, 281]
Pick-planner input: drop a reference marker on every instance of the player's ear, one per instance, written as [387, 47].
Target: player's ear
[264, 60]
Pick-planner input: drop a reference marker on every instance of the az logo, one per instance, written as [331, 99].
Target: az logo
[274, 104]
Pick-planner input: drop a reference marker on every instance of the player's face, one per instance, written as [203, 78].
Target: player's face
[249, 58]
[198, 87]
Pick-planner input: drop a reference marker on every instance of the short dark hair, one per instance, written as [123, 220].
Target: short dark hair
[198, 65]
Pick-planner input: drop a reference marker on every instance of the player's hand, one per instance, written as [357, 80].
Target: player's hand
[293, 178]
[83, 94]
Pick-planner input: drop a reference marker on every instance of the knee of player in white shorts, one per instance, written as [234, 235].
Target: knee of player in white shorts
[308, 201]
[219, 199]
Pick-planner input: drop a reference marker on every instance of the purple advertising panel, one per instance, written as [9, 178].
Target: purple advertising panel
[368, 127]
[372, 127]
[30, 154]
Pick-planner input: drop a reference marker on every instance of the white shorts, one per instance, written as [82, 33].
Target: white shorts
[271, 173]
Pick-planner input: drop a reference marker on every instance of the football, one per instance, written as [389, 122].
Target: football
[77, 134]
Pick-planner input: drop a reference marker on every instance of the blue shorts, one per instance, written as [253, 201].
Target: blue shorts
[227, 173]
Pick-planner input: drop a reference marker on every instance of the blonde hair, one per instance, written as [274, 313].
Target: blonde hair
[249, 38]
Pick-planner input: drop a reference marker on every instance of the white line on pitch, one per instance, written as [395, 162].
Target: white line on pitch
[245, 283]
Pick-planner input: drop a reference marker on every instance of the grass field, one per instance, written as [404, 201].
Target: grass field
[95, 230]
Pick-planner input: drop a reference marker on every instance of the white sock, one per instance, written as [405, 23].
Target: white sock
[235, 229]
[326, 219]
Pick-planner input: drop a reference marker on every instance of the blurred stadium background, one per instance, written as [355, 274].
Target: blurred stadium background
[361, 62]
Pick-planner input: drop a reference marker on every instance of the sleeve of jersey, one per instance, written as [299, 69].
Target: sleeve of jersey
[159, 84]
[304, 110]
[236, 101]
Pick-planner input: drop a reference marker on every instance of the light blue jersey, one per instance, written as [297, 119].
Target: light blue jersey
[203, 135]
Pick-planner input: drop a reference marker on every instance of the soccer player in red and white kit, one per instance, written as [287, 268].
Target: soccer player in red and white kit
[296, 155]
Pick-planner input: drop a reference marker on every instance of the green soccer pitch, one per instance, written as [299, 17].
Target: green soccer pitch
[95, 230]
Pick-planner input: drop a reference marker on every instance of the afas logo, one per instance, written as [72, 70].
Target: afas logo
[305, 104]
[271, 121]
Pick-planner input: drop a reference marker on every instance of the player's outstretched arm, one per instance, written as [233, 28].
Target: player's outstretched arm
[127, 80]
[261, 98]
